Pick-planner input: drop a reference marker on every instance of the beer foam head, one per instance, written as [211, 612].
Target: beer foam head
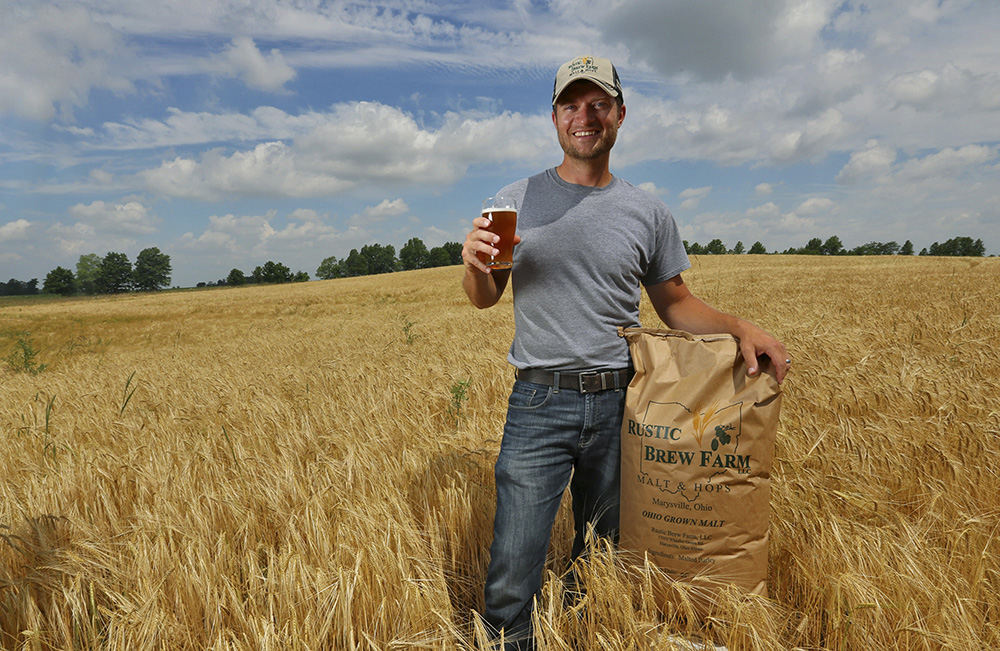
[594, 69]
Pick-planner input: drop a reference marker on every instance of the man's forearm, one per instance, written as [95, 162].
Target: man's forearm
[484, 290]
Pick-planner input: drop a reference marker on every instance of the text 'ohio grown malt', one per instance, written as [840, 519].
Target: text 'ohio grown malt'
[697, 447]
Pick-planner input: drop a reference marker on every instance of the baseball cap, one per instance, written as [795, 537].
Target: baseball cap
[595, 69]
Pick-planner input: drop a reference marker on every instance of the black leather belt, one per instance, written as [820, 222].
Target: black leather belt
[587, 382]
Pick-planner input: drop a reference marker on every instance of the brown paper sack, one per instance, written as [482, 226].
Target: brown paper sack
[697, 447]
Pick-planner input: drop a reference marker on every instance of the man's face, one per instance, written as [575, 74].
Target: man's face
[586, 120]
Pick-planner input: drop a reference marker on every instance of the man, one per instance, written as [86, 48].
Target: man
[587, 241]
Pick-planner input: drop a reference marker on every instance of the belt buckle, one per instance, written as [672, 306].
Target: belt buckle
[592, 381]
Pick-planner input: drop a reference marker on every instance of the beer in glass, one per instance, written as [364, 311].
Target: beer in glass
[502, 213]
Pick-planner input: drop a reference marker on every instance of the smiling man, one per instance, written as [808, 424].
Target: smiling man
[587, 243]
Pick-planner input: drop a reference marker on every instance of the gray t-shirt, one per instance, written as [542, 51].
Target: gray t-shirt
[578, 271]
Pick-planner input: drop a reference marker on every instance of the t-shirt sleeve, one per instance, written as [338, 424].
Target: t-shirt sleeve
[668, 257]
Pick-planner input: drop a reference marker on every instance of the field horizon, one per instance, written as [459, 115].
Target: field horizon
[310, 466]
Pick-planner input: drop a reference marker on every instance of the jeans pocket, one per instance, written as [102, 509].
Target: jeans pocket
[528, 395]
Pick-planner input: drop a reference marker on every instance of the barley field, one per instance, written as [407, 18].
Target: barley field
[309, 466]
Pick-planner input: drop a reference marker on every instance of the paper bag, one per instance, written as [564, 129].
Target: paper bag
[697, 447]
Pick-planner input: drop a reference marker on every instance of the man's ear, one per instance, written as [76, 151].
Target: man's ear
[621, 114]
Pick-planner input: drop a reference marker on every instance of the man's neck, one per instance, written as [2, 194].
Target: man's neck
[593, 173]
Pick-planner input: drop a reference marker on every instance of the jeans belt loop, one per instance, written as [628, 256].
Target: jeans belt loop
[555, 381]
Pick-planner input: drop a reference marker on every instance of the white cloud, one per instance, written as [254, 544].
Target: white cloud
[869, 164]
[691, 197]
[947, 162]
[763, 189]
[15, 230]
[242, 59]
[814, 206]
[653, 189]
[127, 217]
[362, 143]
[54, 56]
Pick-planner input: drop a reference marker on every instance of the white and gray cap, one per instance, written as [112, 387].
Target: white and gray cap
[594, 69]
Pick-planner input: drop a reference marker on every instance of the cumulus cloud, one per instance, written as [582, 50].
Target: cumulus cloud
[356, 144]
[53, 56]
[814, 206]
[264, 72]
[691, 197]
[869, 164]
[126, 217]
[763, 189]
[15, 230]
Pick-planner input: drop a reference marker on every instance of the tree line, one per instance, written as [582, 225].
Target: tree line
[380, 259]
[114, 273]
[956, 246]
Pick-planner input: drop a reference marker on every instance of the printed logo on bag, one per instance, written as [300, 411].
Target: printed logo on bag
[674, 435]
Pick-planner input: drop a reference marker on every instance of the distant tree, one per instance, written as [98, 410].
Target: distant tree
[381, 259]
[832, 246]
[813, 247]
[15, 287]
[876, 248]
[115, 274]
[152, 270]
[355, 264]
[438, 257]
[454, 250]
[88, 268]
[907, 248]
[330, 268]
[273, 272]
[923, 251]
[236, 277]
[60, 281]
[413, 254]
[963, 246]
[738, 249]
[695, 249]
[715, 247]
[300, 277]
[757, 249]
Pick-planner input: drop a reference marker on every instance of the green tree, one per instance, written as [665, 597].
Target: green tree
[907, 248]
[715, 247]
[300, 277]
[738, 249]
[236, 277]
[963, 246]
[272, 272]
[381, 258]
[832, 246]
[757, 248]
[694, 248]
[355, 264]
[330, 268]
[438, 257]
[152, 270]
[115, 274]
[454, 250]
[813, 247]
[413, 254]
[88, 268]
[60, 281]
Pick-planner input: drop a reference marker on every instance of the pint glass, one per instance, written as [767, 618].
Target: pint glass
[502, 212]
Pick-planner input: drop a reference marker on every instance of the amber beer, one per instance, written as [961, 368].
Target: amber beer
[502, 213]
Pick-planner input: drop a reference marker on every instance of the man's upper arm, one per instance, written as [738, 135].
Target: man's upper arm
[665, 294]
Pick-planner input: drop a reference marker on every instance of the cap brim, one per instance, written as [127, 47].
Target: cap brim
[600, 84]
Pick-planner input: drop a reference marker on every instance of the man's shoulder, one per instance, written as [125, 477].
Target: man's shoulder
[640, 198]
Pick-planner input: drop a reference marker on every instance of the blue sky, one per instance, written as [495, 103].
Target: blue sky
[231, 133]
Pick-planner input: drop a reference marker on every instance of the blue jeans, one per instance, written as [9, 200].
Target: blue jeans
[552, 437]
